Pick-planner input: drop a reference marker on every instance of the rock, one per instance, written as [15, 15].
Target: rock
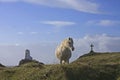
[28, 59]
[24, 61]
[1, 65]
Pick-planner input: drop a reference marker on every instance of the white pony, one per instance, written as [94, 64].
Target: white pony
[63, 51]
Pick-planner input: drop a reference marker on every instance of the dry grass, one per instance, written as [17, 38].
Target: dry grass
[105, 66]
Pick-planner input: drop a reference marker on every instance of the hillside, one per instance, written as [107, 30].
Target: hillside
[97, 66]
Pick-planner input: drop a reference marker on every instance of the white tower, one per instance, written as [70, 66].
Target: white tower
[27, 55]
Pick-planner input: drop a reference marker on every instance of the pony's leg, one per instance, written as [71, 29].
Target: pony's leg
[67, 61]
[60, 61]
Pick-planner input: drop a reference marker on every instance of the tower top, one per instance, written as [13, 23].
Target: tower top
[27, 55]
[27, 50]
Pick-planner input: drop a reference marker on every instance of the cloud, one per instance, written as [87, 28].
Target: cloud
[78, 5]
[102, 43]
[17, 44]
[12, 54]
[58, 23]
[108, 23]
[9, 0]
[45, 52]
[104, 22]
[33, 32]
[20, 33]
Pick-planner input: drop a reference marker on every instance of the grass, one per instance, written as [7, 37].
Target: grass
[98, 66]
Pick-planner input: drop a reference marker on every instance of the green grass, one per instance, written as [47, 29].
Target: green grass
[98, 66]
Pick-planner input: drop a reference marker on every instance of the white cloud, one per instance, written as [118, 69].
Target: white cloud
[59, 23]
[17, 44]
[9, 0]
[20, 33]
[79, 5]
[12, 54]
[33, 32]
[45, 52]
[108, 23]
[104, 22]
[102, 43]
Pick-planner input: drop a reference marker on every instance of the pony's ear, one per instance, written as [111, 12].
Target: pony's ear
[69, 38]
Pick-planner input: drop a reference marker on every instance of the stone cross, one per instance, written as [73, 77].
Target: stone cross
[91, 48]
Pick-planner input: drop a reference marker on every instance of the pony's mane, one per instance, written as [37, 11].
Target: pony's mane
[65, 41]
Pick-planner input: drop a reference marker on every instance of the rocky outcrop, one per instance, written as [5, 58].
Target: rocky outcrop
[1, 65]
[28, 59]
[24, 61]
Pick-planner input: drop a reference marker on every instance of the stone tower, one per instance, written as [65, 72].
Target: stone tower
[27, 55]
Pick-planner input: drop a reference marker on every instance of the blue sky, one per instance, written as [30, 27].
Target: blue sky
[45, 23]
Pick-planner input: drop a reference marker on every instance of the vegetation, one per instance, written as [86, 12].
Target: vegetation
[96, 66]
[24, 61]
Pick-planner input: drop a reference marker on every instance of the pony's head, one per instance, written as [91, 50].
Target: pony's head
[69, 42]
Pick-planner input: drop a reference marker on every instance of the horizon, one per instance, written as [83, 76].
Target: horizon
[40, 27]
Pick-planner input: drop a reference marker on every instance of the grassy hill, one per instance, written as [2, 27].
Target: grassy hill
[97, 66]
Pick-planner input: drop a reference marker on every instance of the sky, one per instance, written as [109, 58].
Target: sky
[41, 25]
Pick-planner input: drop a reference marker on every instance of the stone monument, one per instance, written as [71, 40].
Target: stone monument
[91, 51]
[27, 55]
[28, 59]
